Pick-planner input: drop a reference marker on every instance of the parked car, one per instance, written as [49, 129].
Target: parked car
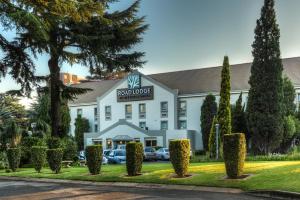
[82, 158]
[149, 153]
[122, 146]
[117, 156]
[163, 154]
[106, 152]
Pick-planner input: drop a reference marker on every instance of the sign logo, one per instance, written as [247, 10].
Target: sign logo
[134, 92]
[134, 81]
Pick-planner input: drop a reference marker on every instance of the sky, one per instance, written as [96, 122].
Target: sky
[187, 34]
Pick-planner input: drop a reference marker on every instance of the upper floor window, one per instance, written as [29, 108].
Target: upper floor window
[142, 111]
[182, 108]
[107, 112]
[142, 125]
[164, 125]
[96, 128]
[182, 124]
[164, 109]
[128, 111]
[79, 112]
[95, 114]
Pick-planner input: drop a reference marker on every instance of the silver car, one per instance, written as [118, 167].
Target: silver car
[149, 154]
[163, 154]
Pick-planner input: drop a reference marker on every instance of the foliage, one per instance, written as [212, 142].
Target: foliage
[289, 95]
[26, 144]
[208, 112]
[239, 120]
[70, 149]
[234, 154]
[224, 112]
[81, 126]
[180, 156]
[65, 118]
[54, 158]
[289, 133]
[74, 32]
[134, 158]
[38, 156]
[3, 160]
[54, 143]
[11, 134]
[265, 99]
[13, 157]
[94, 158]
[212, 139]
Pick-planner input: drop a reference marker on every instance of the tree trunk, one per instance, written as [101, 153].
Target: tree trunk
[54, 96]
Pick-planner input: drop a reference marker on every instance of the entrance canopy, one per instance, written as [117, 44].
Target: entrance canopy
[122, 138]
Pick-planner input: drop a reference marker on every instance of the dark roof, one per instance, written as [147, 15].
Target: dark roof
[196, 81]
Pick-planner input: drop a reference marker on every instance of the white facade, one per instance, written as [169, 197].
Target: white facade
[113, 130]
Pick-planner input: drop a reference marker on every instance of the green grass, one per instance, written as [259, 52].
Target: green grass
[276, 175]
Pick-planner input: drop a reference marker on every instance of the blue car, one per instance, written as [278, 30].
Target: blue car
[117, 156]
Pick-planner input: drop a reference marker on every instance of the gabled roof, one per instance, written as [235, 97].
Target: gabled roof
[195, 81]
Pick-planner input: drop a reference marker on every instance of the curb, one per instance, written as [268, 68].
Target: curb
[128, 184]
[278, 194]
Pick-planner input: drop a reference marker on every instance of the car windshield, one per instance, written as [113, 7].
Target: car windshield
[166, 150]
[149, 150]
[106, 153]
[119, 153]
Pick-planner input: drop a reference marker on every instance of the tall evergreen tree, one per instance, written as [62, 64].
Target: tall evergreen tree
[239, 117]
[85, 32]
[224, 112]
[289, 95]
[265, 108]
[208, 112]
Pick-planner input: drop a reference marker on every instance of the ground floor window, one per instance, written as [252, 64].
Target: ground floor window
[150, 142]
[97, 142]
[109, 143]
[182, 124]
[142, 125]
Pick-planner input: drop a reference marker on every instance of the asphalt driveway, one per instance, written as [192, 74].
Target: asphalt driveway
[17, 190]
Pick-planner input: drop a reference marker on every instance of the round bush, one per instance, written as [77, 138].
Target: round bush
[13, 157]
[38, 157]
[180, 156]
[54, 157]
[94, 158]
[134, 158]
[234, 150]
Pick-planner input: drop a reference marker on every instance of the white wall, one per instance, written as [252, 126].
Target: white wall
[87, 112]
[153, 117]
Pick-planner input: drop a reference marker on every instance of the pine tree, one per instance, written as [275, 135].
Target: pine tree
[224, 112]
[238, 116]
[75, 32]
[265, 108]
[208, 112]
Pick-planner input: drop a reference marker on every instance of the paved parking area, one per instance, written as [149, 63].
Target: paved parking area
[17, 190]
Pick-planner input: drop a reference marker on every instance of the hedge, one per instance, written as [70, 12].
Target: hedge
[234, 150]
[13, 157]
[54, 157]
[180, 156]
[38, 157]
[134, 158]
[94, 158]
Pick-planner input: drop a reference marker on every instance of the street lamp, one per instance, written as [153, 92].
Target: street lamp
[217, 141]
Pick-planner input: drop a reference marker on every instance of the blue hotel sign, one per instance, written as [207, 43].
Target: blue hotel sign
[134, 92]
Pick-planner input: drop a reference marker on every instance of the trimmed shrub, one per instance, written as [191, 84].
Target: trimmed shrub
[54, 157]
[94, 158]
[212, 146]
[54, 143]
[69, 146]
[13, 157]
[26, 144]
[180, 156]
[234, 149]
[134, 158]
[38, 157]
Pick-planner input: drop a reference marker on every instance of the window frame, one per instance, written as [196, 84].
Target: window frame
[81, 111]
[179, 122]
[182, 113]
[128, 115]
[164, 121]
[164, 114]
[107, 114]
[142, 115]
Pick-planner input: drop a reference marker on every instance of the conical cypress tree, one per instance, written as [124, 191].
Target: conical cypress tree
[224, 112]
[265, 115]
[238, 116]
[208, 112]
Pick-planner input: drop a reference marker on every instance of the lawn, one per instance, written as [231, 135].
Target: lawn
[283, 175]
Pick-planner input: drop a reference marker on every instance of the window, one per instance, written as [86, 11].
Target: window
[164, 125]
[142, 125]
[182, 108]
[96, 128]
[164, 109]
[128, 111]
[182, 124]
[97, 142]
[79, 112]
[150, 142]
[142, 111]
[95, 114]
[107, 112]
[109, 143]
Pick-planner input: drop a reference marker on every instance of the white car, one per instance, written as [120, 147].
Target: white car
[163, 154]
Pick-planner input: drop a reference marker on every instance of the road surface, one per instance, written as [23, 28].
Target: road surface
[17, 190]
